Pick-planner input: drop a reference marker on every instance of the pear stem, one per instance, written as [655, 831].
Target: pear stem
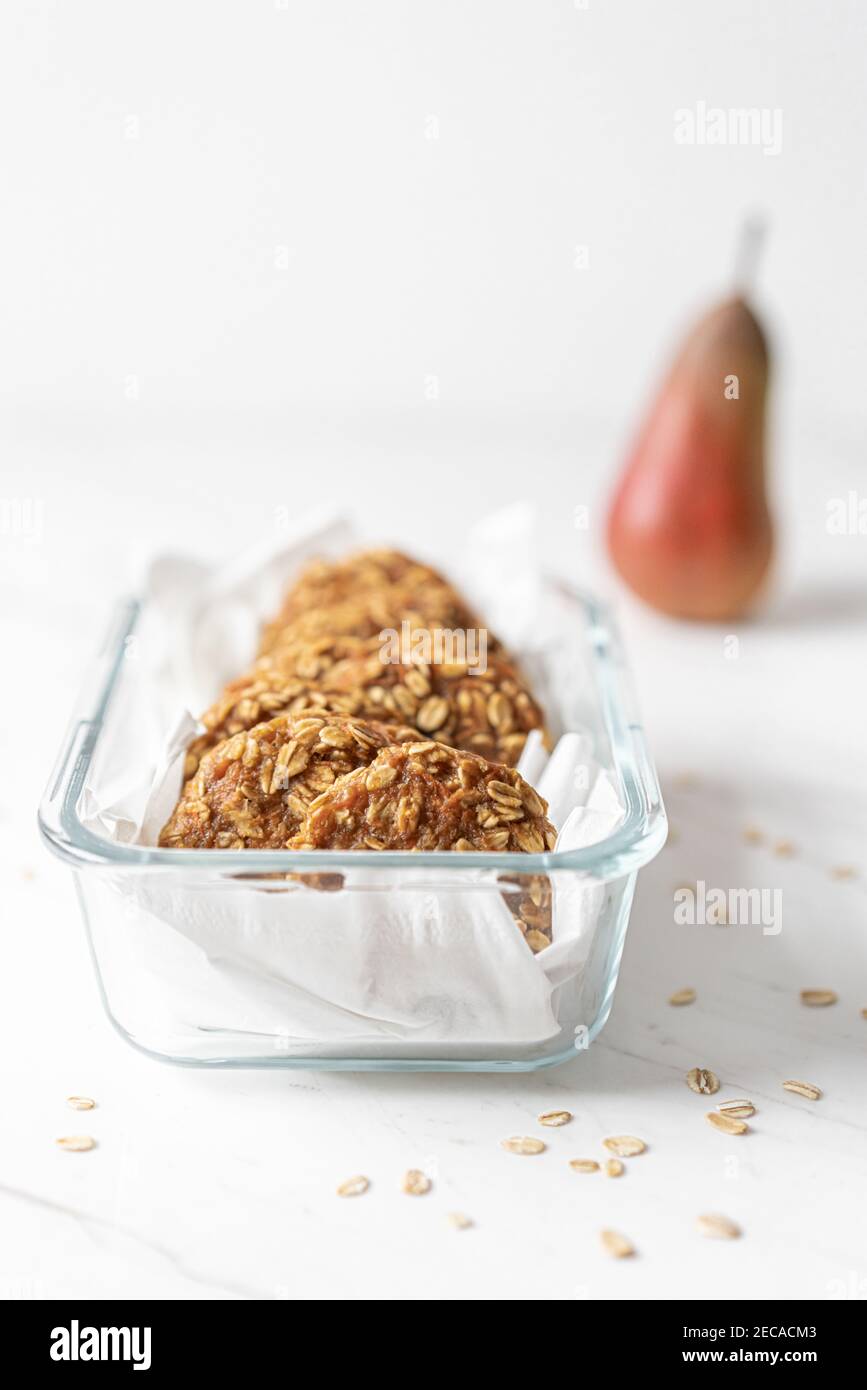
[749, 249]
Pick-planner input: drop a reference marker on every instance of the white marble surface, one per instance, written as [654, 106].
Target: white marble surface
[221, 1185]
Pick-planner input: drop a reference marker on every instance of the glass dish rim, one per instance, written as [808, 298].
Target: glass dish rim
[638, 838]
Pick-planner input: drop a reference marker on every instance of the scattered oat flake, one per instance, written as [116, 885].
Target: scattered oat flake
[625, 1145]
[717, 1227]
[753, 836]
[803, 1088]
[614, 1168]
[80, 1102]
[555, 1118]
[353, 1187]
[683, 996]
[523, 1144]
[864, 1013]
[728, 1124]
[738, 1109]
[416, 1183]
[584, 1165]
[844, 871]
[616, 1245]
[77, 1143]
[704, 1082]
[818, 998]
[784, 848]
[459, 1221]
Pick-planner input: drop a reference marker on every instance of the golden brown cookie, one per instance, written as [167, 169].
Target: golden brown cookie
[284, 685]
[323, 583]
[368, 613]
[425, 796]
[252, 791]
[489, 714]
[365, 594]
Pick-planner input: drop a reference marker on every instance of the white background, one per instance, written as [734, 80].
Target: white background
[239, 275]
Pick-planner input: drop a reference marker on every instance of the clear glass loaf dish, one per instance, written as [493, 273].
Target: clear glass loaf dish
[218, 957]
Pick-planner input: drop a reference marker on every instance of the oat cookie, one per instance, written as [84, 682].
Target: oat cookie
[252, 791]
[326, 582]
[277, 685]
[369, 614]
[489, 714]
[362, 596]
[426, 796]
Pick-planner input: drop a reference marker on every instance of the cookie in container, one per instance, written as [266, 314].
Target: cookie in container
[421, 958]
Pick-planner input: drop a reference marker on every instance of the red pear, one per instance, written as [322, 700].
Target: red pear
[689, 528]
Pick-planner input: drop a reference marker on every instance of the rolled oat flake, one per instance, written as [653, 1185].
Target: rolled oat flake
[616, 1245]
[80, 1103]
[818, 998]
[416, 1183]
[727, 1124]
[353, 1187]
[459, 1221]
[682, 996]
[704, 1082]
[523, 1144]
[738, 1109]
[77, 1143]
[554, 1118]
[717, 1227]
[625, 1145]
[803, 1088]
